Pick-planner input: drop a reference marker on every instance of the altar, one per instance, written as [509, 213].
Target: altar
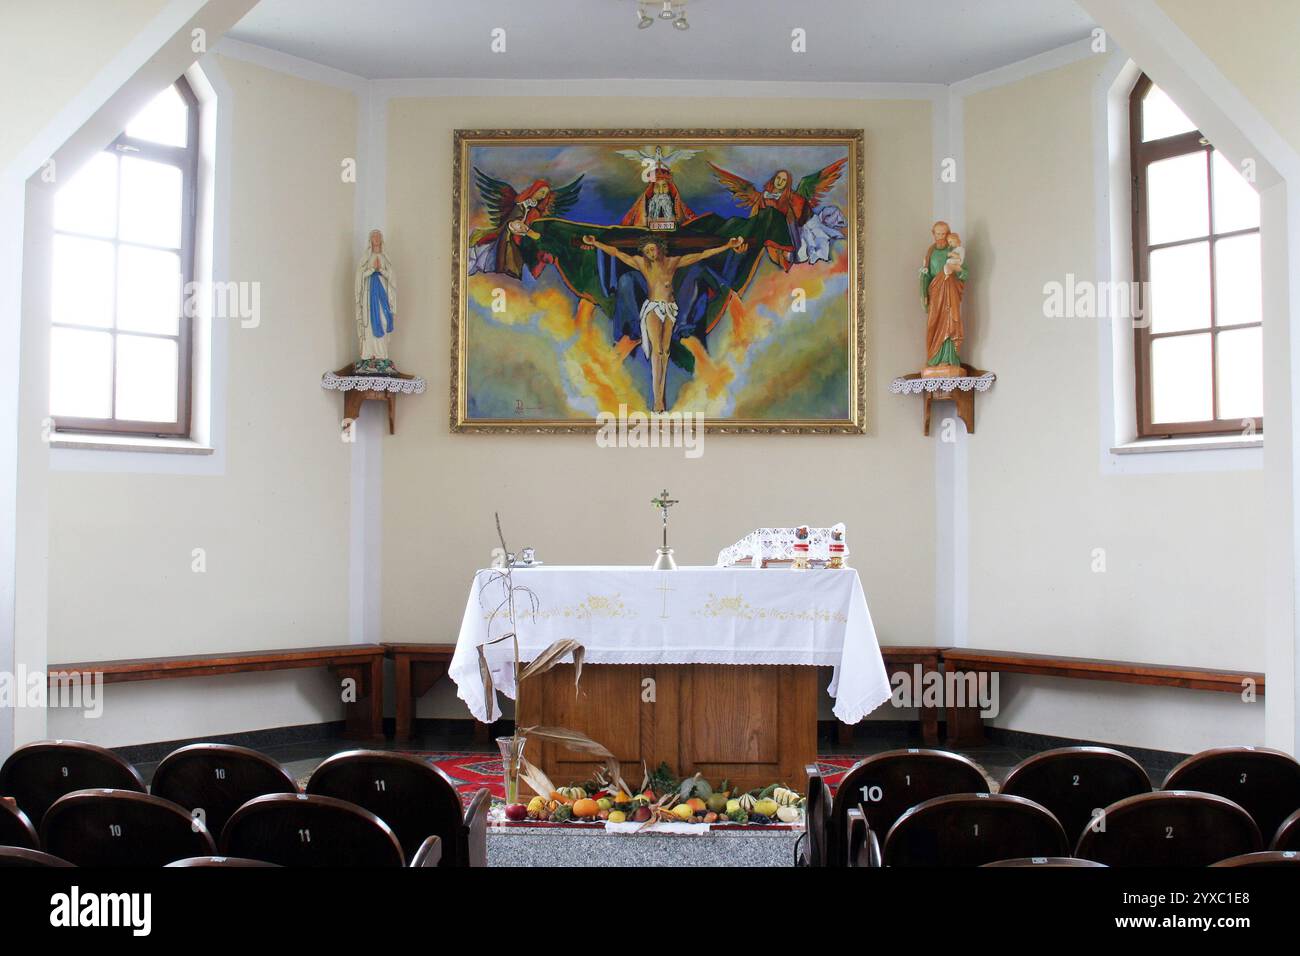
[710, 669]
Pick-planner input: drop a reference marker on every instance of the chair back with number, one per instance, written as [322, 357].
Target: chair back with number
[15, 829]
[817, 809]
[121, 828]
[1265, 783]
[971, 829]
[212, 781]
[1169, 828]
[1287, 836]
[310, 830]
[1076, 783]
[17, 857]
[885, 785]
[411, 796]
[37, 774]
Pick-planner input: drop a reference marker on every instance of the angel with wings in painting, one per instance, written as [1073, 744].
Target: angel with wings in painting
[496, 247]
[812, 227]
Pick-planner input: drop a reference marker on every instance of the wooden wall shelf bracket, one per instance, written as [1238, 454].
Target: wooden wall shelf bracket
[959, 389]
[357, 389]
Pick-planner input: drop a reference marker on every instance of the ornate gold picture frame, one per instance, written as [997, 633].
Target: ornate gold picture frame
[709, 273]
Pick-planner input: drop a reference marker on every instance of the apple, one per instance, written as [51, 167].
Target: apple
[516, 812]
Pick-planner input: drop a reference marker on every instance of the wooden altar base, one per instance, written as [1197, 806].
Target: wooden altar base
[753, 724]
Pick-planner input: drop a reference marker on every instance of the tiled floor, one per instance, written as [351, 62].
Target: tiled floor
[300, 759]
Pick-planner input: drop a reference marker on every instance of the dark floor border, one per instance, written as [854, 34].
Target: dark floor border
[1160, 761]
[1022, 741]
[254, 739]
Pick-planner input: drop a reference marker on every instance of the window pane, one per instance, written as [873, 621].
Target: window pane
[148, 290]
[151, 203]
[1178, 199]
[146, 379]
[1161, 117]
[1236, 204]
[87, 202]
[162, 121]
[1241, 374]
[81, 373]
[82, 292]
[1179, 294]
[1180, 379]
[1237, 280]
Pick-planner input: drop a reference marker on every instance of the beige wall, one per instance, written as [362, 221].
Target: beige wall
[1253, 43]
[50, 51]
[577, 503]
[274, 526]
[1183, 580]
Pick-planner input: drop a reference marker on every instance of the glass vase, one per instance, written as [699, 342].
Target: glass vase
[512, 752]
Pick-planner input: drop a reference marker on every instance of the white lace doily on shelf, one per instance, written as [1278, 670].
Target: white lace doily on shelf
[776, 544]
[372, 383]
[904, 385]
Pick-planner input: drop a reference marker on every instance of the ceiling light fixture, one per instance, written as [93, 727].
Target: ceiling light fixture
[672, 11]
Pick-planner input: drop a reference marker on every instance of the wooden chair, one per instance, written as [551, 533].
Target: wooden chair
[219, 862]
[212, 781]
[121, 828]
[15, 829]
[971, 829]
[864, 848]
[310, 830]
[1287, 836]
[813, 843]
[411, 796]
[1076, 782]
[1265, 783]
[1050, 862]
[429, 854]
[18, 857]
[885, 785]
[1263, 858]
[38, 774]
[1169, 828]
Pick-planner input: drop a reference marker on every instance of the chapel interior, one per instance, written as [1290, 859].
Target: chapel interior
[663, 434]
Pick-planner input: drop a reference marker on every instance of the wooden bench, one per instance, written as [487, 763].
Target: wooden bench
[362, 663]
[966, 727]
[416, 668]
[905, 659]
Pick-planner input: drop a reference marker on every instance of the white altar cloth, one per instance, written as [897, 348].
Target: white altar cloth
[697, 615]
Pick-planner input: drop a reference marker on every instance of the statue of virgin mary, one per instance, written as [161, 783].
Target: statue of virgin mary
[376, 296]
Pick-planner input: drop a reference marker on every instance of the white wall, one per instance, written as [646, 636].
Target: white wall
[274, 525]
[1184, 571]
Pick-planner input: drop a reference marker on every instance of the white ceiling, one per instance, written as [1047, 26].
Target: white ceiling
[847, 40]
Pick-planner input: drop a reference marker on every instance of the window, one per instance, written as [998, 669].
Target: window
[123, 253]
[1197, 260]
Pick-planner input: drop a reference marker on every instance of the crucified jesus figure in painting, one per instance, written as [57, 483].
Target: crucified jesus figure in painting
[659, 311]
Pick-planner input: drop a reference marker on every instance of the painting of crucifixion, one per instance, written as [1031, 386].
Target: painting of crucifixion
[711, 273]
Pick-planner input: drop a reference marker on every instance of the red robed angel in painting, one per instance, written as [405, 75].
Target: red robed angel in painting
[496, 249]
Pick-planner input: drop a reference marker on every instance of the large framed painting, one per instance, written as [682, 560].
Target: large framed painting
[715, 274]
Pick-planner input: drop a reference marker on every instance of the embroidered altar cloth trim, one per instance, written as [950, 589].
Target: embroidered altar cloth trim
[701, 615]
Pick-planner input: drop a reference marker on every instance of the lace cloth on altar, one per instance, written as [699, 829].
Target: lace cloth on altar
[962, 383]
[776, 544]
[373, 383]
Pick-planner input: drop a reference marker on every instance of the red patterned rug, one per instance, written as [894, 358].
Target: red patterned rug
[472, 771]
